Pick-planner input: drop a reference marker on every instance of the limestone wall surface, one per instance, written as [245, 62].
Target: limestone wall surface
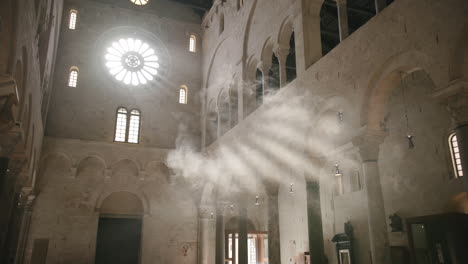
[89, 110]
[77, 176]
[386, 71]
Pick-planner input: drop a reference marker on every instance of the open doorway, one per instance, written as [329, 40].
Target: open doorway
[119, 229]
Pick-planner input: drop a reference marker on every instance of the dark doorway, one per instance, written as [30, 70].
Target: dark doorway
[118, 241]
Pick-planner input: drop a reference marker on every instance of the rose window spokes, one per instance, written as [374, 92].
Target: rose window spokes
[132, 61]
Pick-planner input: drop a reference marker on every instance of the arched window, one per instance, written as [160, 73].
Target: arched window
[274, 74]
[193, 43]
[73, 18]
[139, 2]
[183, 94]
[73, 78]
[121, 125]
[127, 131]
[259, 87]
[221, 23]
[455, 153]
[329, 26]
[291, 73]
[134, 127]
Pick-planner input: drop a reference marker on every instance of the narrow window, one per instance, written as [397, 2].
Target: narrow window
[221, 23]
[456, 160]
[73, 17]
[183, 94]
[73, 78]
[121, 125]
[134, 127]
[193, 44]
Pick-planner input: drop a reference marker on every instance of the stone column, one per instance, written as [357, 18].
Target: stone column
[265, 72]
[27, 204]
[368, 145]
[282, 55]
[243, 233]
[274, 250]
[380, 5]
[314, 212]
[342, 19]
[220, 234]
[207, 236]
[455, 97]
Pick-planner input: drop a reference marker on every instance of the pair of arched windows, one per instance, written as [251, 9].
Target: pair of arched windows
[127, 126]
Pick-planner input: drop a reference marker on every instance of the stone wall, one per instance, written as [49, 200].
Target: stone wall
[77, 176]
[409, 46]
[89, 110]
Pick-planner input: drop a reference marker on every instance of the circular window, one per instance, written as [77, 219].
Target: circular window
[132, 61]
[139, 2]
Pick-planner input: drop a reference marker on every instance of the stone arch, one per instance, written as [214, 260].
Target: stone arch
[248, 26]
[82, 164]
[58, 164]
[285, 32]
[56, 153]
[385, 79]
[129, 166]
[208, 73]
[231, 224]
[124, 202]
[267, 52]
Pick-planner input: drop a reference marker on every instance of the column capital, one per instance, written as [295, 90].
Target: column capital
[455, 98]
[368, 144]
[281, 53]
[316, 164]
[264, 67]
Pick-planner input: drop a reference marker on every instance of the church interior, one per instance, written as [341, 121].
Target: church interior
[233, 131]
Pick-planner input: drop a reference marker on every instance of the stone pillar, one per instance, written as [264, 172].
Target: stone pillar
[3, 172]
[27, 204]
[342, 19]
[455, 97]
[380, 5]
[274, 249]
[243, 233]
[314, 215]
[282, 55]
[220, 235]
[207, 236]
[368, 145]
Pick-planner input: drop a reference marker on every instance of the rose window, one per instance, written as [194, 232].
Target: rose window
[132, 61]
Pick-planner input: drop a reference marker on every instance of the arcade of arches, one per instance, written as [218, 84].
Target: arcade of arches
[233, 131]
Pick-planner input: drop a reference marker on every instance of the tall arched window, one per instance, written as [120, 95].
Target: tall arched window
[291, 73]
[121, 125]
[127, 131]
[134, 127]
[221, 23]
[259, 87]
[183, 94]
[73, 18]
[73, 77]
[455, 153]
[193, 43]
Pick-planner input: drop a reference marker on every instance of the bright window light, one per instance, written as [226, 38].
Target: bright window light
[183, 94]
[132, 61]
[456, 159]
[73, 17]
[139, 2]
[121, 125]
[193, 44]
[134, 127]
[73, 78]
